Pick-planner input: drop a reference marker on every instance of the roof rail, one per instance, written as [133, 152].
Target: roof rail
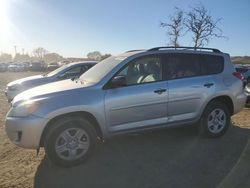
[185, 48]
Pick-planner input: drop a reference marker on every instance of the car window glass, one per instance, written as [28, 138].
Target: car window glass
[84, 69]
[73, 72]
[142, 70]
[211, 64]
[181, 66]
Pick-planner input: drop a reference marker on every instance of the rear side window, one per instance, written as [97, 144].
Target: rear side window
[211, 64]
[190, 65]
[181, 66]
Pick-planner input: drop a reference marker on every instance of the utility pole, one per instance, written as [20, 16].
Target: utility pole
[23, 50]
[15, 47]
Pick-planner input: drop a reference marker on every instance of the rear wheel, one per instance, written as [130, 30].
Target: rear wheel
[70, 141]
[215, 119]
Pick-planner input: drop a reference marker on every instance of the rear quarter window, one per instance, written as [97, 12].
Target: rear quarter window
[211, 64]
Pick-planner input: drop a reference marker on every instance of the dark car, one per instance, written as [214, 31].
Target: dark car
[37, 66]
[72, 70]
[3, 67]
[245, 71]
[52, 66]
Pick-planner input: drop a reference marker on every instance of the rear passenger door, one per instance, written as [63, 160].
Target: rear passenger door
[189, 85]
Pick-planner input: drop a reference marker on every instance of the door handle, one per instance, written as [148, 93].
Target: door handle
[208, 85]
[160, 91]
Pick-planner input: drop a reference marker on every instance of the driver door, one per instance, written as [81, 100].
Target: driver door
[143, 101]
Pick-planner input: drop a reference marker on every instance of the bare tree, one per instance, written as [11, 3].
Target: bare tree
[4, 57]
[95, 55]
[174, 26]
[39, 52]
[52, 57]
[21, 57]
[202, 26]
[105, 56]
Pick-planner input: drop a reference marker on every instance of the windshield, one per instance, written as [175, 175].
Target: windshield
[101, 69]
[54, 72]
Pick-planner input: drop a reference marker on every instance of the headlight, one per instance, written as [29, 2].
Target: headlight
[24, 109]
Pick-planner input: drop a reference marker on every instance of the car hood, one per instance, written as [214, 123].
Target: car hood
[49, 90]
[29, 80]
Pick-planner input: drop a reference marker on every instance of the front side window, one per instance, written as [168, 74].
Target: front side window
[142, 70]
[75, 71]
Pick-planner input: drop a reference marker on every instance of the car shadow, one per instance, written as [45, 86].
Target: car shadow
[176, 157]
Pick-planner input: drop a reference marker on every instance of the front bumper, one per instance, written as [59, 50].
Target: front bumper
[25, 131]
[11, 94]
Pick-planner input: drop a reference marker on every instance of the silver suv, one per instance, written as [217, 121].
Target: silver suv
[134, 91]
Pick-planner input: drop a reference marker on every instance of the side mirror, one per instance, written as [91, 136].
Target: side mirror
[118, 81]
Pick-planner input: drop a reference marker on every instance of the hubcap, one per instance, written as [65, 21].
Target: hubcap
[72, 144]
[216, 121]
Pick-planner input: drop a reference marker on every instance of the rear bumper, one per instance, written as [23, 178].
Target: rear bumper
[247, 91]
[240, 102]
[25, 131]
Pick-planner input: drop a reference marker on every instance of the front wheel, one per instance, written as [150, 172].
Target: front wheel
[70, 141]
[215, 120]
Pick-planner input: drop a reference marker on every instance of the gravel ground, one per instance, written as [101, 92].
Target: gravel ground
[168, 158]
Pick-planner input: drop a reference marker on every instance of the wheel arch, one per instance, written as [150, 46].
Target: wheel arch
[84, 114]
[226, 100]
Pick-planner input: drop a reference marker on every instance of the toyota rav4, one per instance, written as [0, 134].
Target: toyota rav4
[135, 91]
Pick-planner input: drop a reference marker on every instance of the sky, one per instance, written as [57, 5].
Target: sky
[74, 28]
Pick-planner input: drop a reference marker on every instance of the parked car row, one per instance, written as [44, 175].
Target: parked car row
[29, 66]
[135, 91]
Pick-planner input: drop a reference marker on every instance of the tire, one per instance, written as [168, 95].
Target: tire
[70, 141]
[215, 120]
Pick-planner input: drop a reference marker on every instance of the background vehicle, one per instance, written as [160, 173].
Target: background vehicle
[16, 67]
[3, 67]
[65, 72]
[245, 71]
[26, 65]
[37, 66]
[135, 91]
[247, 91]
[52, 66]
